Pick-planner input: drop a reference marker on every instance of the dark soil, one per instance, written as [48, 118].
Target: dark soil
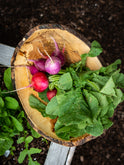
[97, 20]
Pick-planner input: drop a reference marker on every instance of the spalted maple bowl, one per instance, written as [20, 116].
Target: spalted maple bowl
[75, 45]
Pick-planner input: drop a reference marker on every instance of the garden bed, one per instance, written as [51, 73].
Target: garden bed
[96, 20]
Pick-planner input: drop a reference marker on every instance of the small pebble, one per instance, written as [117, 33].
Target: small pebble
[108, 156]
[81, 158]
[118, 159]
[6, 154]
[23, 39]
[41, 15]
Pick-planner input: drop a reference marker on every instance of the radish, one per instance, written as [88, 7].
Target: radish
[39, 83]
[51, 94]
[32, 69]
[52, 64]
[39, 64]
[58, 53]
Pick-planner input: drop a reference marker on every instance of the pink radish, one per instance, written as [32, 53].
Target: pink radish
[53, 65]
[51, 94]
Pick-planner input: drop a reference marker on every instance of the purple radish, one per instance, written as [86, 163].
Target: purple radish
[39, 64]
[58, 53]
[52, 64]
[32, 69]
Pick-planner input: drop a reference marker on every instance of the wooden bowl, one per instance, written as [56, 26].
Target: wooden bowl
[75, 45]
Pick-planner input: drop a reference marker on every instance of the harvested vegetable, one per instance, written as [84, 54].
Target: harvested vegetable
[58, 53]
[32, 69]
[39, 64]
[51, 94]
[85, 99]
[39, 82]
[53, 65]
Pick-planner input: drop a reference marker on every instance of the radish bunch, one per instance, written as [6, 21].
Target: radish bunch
[46, 64]
[50, 64]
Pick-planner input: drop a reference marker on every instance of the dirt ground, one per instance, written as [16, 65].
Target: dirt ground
[97, 20]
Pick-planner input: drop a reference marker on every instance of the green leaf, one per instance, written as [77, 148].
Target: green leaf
[5, 144]
[118, 79]
[94, 86]
[7, 79]
[83, 60]
[1, 103]
[35, 103]
[107, 123]
[110, 68]
[17, 124]
[31, 162]
[118, 98]
[100, 79]
[52, 107]
[20, 140]
[11, 103]
[108, 88]
[92, 102]
[65, 81]
[66, 132]
[43, 95]
[35, 134]
[28, 139]
[96, 129]
[22, 156]
[34, 151]
[95, 50]
[76, 79]
[103, 102]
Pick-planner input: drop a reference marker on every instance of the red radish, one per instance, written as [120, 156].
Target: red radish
[53, 65]
[58, 53]
[39, 82]
[51, 94]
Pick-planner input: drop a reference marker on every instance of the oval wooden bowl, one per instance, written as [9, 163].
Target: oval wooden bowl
[75, 45]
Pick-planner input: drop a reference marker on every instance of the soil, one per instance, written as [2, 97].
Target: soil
[97, 20]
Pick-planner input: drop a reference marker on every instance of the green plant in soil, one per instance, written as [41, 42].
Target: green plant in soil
[13, 122]
[27, 152]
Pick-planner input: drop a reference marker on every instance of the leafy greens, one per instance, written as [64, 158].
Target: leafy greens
[85, 99]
